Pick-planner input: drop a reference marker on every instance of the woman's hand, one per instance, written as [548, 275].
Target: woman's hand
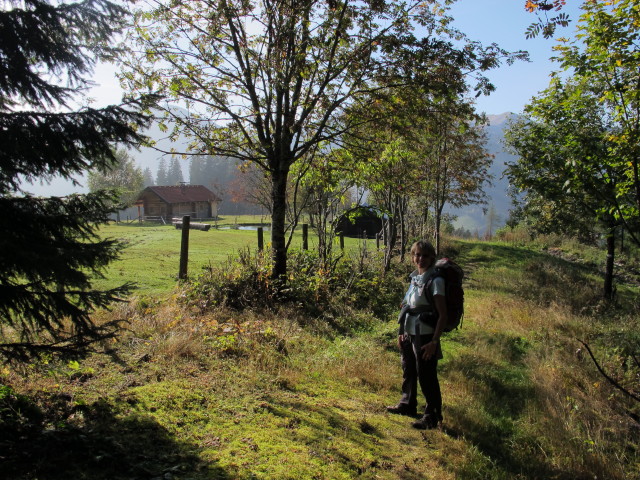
[429, 350]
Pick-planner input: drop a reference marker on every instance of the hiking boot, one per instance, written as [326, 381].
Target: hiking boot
[427, 422]
[403, 409]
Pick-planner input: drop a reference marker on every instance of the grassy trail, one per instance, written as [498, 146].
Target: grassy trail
[254, 395]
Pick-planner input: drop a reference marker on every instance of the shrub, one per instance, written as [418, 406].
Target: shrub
[240, 283]
[349, 295]
[17, 413]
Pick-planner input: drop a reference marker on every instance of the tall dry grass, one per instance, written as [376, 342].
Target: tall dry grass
[527, 358]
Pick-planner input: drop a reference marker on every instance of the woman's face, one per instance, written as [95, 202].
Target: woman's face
[422, 260]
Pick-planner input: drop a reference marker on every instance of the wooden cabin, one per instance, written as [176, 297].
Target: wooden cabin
[360, 222]
[166, 202]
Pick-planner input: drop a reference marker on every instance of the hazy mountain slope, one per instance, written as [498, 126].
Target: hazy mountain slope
[473, 218]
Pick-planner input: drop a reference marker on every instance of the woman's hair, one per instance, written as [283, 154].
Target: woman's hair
[424, 247]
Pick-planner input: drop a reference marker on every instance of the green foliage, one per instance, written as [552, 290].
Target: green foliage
[545, 24]
[49, 284]
[419, 152]
[124, 177]
[344, 289]
[580, 135]
[563, 167]
[548, 26]
[244, 282]
[335, 295]
[578, 143]
[49, 250]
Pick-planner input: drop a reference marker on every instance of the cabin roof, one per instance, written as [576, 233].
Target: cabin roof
[183, 193]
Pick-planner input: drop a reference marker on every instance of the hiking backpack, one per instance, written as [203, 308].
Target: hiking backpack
[452, 274]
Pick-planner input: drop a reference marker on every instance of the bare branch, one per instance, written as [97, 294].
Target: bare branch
[609, 378]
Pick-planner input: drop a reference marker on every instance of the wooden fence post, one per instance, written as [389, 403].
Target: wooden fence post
[260, 239]
[341, 241]
[184, 247]
[305, 236]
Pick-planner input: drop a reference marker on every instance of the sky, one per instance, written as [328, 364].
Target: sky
[501, 21]
[505, 22]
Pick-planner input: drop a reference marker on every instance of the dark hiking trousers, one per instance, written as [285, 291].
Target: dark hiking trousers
[416, 371]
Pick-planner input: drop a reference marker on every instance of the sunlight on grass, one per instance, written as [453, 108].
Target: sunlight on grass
[273, 393]
[151, 258]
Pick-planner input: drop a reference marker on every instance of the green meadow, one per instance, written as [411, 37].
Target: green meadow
[151, 258]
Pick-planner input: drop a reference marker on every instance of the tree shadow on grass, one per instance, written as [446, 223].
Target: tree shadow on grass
[547, 278]
[326, 429]
[503, 391]
[101, 446]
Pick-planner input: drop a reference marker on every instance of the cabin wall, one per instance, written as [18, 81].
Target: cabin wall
[202, 210]
[181, 209]
[155, 207]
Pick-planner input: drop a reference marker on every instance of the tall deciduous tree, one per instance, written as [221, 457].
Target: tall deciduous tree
[394, 173]
[386, 163]
[124, 177]
[427, 152]
[604, 58]
[269, 81]
[49, 247]
[588, 127]
[566, 168]
[456, 162]
[324, 198]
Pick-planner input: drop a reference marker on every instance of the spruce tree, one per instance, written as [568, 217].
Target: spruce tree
[196, 168]
[147, 177]
[162, 176]
[174, 173]
[49, 248]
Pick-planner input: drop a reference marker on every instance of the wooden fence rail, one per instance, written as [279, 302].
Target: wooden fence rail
[185, 225]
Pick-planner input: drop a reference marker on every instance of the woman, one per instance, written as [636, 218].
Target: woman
[422, 320]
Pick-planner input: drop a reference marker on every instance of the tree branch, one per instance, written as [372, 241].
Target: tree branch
[609, 379]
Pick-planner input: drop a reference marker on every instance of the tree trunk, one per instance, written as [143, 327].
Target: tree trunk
[438, 223]
[278, 222]
[608, 275]
[636, 180]
[403, 228]
[386, 228]
[424, 233]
